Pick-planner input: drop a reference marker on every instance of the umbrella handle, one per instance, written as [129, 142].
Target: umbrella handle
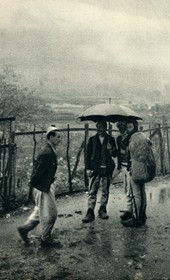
[109, 146]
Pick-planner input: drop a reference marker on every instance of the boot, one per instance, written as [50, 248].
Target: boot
[126, 216]
[103, 213]
[89, 216]
[51, 243]
[23, 230]
[132, 222]
[142, 216]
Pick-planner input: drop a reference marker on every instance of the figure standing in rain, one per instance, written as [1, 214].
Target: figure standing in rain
[137, 199]
[100, 165]
[122, 162]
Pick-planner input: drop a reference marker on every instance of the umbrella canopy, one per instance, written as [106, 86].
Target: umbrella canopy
[109, 113]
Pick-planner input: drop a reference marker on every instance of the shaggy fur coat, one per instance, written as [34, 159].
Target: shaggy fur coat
[143, 165]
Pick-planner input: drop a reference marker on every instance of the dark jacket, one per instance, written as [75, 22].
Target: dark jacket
[44, 169]
[122, 145]
[97, 153]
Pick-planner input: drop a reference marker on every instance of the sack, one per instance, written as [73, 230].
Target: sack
[144, 171]
[143, 166]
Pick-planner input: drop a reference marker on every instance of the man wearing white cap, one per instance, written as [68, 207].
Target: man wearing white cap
[43, 176]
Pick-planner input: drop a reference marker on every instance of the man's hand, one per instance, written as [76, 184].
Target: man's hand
[109, 146]
[116, 172]
[89, 173]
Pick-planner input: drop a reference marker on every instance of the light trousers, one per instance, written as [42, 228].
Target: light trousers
[45, 213]
[94, 185]
[136, 201]
[126, 185]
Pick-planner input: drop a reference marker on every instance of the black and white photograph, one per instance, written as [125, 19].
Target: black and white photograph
[84, 140]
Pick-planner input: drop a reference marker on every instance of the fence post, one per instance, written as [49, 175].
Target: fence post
[161, 149]
[77, 160]
[68, 159]
[0, 164]
[12, 165]
[35, 145]
[3, 170]
[30, 193]
[86, 135]
[167, 135]
[150, 130]
[164, 125]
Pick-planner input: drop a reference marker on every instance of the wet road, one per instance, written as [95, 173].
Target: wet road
[102, 249]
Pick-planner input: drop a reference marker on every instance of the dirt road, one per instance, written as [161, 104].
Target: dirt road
[101, 250]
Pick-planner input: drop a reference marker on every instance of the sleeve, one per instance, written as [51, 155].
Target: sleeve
[114, 148]
[88, 154]
[118, 155]
[129, 162]
[39, 169]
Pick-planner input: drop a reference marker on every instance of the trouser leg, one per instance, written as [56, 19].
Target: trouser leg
[124, 177]
[47, 213]
[33, 219]
[105, 184]
[128, 213]
[142, 212]
[93, 189]
[129, 201]
[139, 204]
[31, 223]
[139, 198]
[126, 185]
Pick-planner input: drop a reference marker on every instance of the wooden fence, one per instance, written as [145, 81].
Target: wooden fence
[7, 161]
[9, 155]
[159, 136]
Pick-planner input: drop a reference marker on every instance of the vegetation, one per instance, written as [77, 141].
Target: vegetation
[19, 101]
[30, 109]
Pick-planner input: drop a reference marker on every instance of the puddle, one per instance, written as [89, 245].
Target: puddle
[159, 195]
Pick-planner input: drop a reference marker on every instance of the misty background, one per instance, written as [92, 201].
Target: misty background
[88, 48]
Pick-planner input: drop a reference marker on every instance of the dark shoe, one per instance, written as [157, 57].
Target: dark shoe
[23, 232]
[126, 216]
[103, 213]
[50, 243]
[143, 218]
[89, 216]
[132, 223]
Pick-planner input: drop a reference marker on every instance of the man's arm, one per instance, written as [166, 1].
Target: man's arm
[112, 147]
[118, 154]
[88, 154]
[39, 169]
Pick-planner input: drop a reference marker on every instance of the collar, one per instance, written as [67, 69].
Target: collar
[52, 147]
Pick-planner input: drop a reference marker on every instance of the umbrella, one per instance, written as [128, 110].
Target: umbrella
[109, 113]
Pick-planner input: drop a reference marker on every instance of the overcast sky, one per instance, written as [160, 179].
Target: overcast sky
[86, 45]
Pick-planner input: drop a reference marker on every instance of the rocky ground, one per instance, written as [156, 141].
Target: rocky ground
[101, 250]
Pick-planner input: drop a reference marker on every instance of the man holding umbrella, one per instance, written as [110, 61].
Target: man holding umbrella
[100, 150]
[100, 165]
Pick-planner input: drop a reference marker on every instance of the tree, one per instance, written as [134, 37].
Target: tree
[15, 99]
